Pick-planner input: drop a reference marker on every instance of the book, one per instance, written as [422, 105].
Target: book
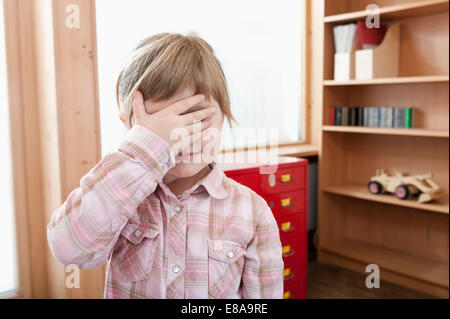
[382, 117]
[389, 117]
[397, 117]
[360, 116]
[344, 118]
[376, 117]
[366, 115]
[353, 116]
[338, 116]
[402, 117]
[408, 117]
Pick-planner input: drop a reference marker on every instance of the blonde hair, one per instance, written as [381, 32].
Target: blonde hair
[165, 63]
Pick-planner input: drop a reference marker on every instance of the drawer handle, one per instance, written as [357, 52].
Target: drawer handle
[287, 230]
[290, 253]
[287, 295]
[286, 178]
[288, 274]
[286, 227]
[286, 202]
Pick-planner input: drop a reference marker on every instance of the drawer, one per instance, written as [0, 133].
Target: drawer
[287, 203]
[294, 249]
[295, 267]
[292, 225]
[250, 180]
[285, 179]
[295, 289]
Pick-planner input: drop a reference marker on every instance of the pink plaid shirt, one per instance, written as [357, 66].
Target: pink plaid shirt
[218, 239]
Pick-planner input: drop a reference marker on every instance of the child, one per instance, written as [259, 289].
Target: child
[167, 224]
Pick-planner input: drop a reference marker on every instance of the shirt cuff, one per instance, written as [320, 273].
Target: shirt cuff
[150, 149]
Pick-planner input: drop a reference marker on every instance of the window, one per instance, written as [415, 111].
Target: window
[8, 266]
[257, 41]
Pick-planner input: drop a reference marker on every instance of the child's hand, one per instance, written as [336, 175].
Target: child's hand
[166, 121]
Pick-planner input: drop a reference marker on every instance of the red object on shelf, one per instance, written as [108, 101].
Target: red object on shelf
[370, 37]
[286, 193]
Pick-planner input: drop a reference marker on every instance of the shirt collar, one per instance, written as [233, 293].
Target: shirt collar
[214, 182]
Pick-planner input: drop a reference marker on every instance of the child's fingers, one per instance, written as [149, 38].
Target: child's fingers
[138, 105]
[191, 143]
[194, 145]
[198, 115]
[198, 126]
[183, 105]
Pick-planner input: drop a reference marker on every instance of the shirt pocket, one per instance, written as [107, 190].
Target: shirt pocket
[225, 265]
[135, 252]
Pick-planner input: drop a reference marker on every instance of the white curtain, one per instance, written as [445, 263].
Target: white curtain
[8, 266]
[257, 41]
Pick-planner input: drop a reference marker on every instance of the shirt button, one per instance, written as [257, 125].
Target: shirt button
[230, 254]
[137, 233]
[177, 209]
[176, 269]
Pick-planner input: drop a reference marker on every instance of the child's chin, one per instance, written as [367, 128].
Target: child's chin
[187, 169]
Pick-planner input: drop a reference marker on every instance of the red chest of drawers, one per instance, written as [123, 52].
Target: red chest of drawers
[286, 193]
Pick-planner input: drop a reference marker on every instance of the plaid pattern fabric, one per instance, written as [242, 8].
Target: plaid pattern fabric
[218, 239]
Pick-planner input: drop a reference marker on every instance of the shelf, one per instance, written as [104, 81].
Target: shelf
[304, 150]
[430, 271]
[360, 191]
[293, 150]
[399, 11]
[396, 80]
[387, 131]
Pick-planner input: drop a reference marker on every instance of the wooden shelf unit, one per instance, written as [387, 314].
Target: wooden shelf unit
[408, 240]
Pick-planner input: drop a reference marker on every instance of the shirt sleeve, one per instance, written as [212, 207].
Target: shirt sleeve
[87, 225]
[262, 276]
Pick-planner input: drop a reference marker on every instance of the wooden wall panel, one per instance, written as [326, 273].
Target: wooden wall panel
[52, 75]
[26, 150]
[78, 123]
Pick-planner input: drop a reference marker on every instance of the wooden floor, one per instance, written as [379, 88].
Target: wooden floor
[330, 282]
